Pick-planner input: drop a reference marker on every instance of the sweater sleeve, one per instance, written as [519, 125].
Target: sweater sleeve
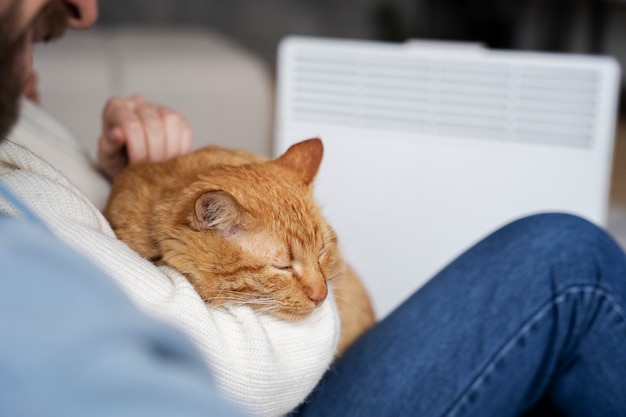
[266, 365]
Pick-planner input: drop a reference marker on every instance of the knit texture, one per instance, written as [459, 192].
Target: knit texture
[266, 365]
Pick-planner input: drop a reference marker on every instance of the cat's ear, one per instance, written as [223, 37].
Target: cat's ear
[218, 211]
[303, 158]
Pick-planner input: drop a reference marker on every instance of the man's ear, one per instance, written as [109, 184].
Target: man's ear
[303, 158]
[220, 212]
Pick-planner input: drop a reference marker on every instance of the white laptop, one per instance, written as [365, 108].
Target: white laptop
[429, 147]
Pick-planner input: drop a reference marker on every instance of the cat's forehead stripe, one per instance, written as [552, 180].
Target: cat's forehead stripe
[290, 255]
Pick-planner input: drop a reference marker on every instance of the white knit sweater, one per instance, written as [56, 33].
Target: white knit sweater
[266, 365]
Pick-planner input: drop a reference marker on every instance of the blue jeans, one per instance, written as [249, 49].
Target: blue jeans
[529, 321]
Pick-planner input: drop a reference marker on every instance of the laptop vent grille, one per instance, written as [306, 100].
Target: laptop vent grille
[506, 101]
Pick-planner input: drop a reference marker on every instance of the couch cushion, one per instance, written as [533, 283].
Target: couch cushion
[224, 91]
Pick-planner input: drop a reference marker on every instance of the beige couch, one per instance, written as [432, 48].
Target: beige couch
[224, 91]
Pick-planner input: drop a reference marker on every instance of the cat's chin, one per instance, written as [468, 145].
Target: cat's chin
[294, 315]
[282, 314]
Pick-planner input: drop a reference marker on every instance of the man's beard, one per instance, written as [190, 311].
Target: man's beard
[12, 44]
[10, 78]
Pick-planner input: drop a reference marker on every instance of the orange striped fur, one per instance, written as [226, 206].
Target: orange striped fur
[242, 229]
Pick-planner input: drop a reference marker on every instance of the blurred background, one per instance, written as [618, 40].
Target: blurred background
[578, 26]
[593, 26]
[215, 60]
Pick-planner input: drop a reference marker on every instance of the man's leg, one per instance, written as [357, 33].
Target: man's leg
[533, 312]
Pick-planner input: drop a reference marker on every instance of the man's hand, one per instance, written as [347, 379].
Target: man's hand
[134, 130]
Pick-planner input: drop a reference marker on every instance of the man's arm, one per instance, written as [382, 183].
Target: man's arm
[72, 344]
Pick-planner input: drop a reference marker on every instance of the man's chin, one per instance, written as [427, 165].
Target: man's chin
[24, 62]
[11, 81]
[10, 105]
[12, 77]
[16, 55]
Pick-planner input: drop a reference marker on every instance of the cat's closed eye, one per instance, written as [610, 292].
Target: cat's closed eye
[283, 267]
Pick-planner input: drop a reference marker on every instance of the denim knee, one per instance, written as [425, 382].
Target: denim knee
[570, 249]
[557, 222]
[559, 231]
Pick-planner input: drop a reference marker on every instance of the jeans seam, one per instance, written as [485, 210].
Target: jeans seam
[524, 330]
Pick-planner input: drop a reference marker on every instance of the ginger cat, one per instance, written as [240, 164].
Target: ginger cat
[242, 229]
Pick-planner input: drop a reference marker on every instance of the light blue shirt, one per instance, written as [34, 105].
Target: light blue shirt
[72, 344]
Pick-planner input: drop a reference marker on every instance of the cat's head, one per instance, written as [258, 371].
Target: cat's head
[253, 234]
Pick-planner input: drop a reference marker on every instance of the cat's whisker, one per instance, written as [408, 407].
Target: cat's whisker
[270, 310]
[250, 294]
[244, 300]
[335, 276]
[352, 303]
[346, 289]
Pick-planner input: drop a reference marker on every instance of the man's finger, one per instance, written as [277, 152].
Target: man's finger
[111, 153]
[121, 113]
[154, 132]
[186, 140]
[173, 128]
[113, 142]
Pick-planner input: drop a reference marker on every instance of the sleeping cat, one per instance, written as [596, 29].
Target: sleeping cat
[242, 229]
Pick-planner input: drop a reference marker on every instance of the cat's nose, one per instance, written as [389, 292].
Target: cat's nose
[318, 295]
[318, 300]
